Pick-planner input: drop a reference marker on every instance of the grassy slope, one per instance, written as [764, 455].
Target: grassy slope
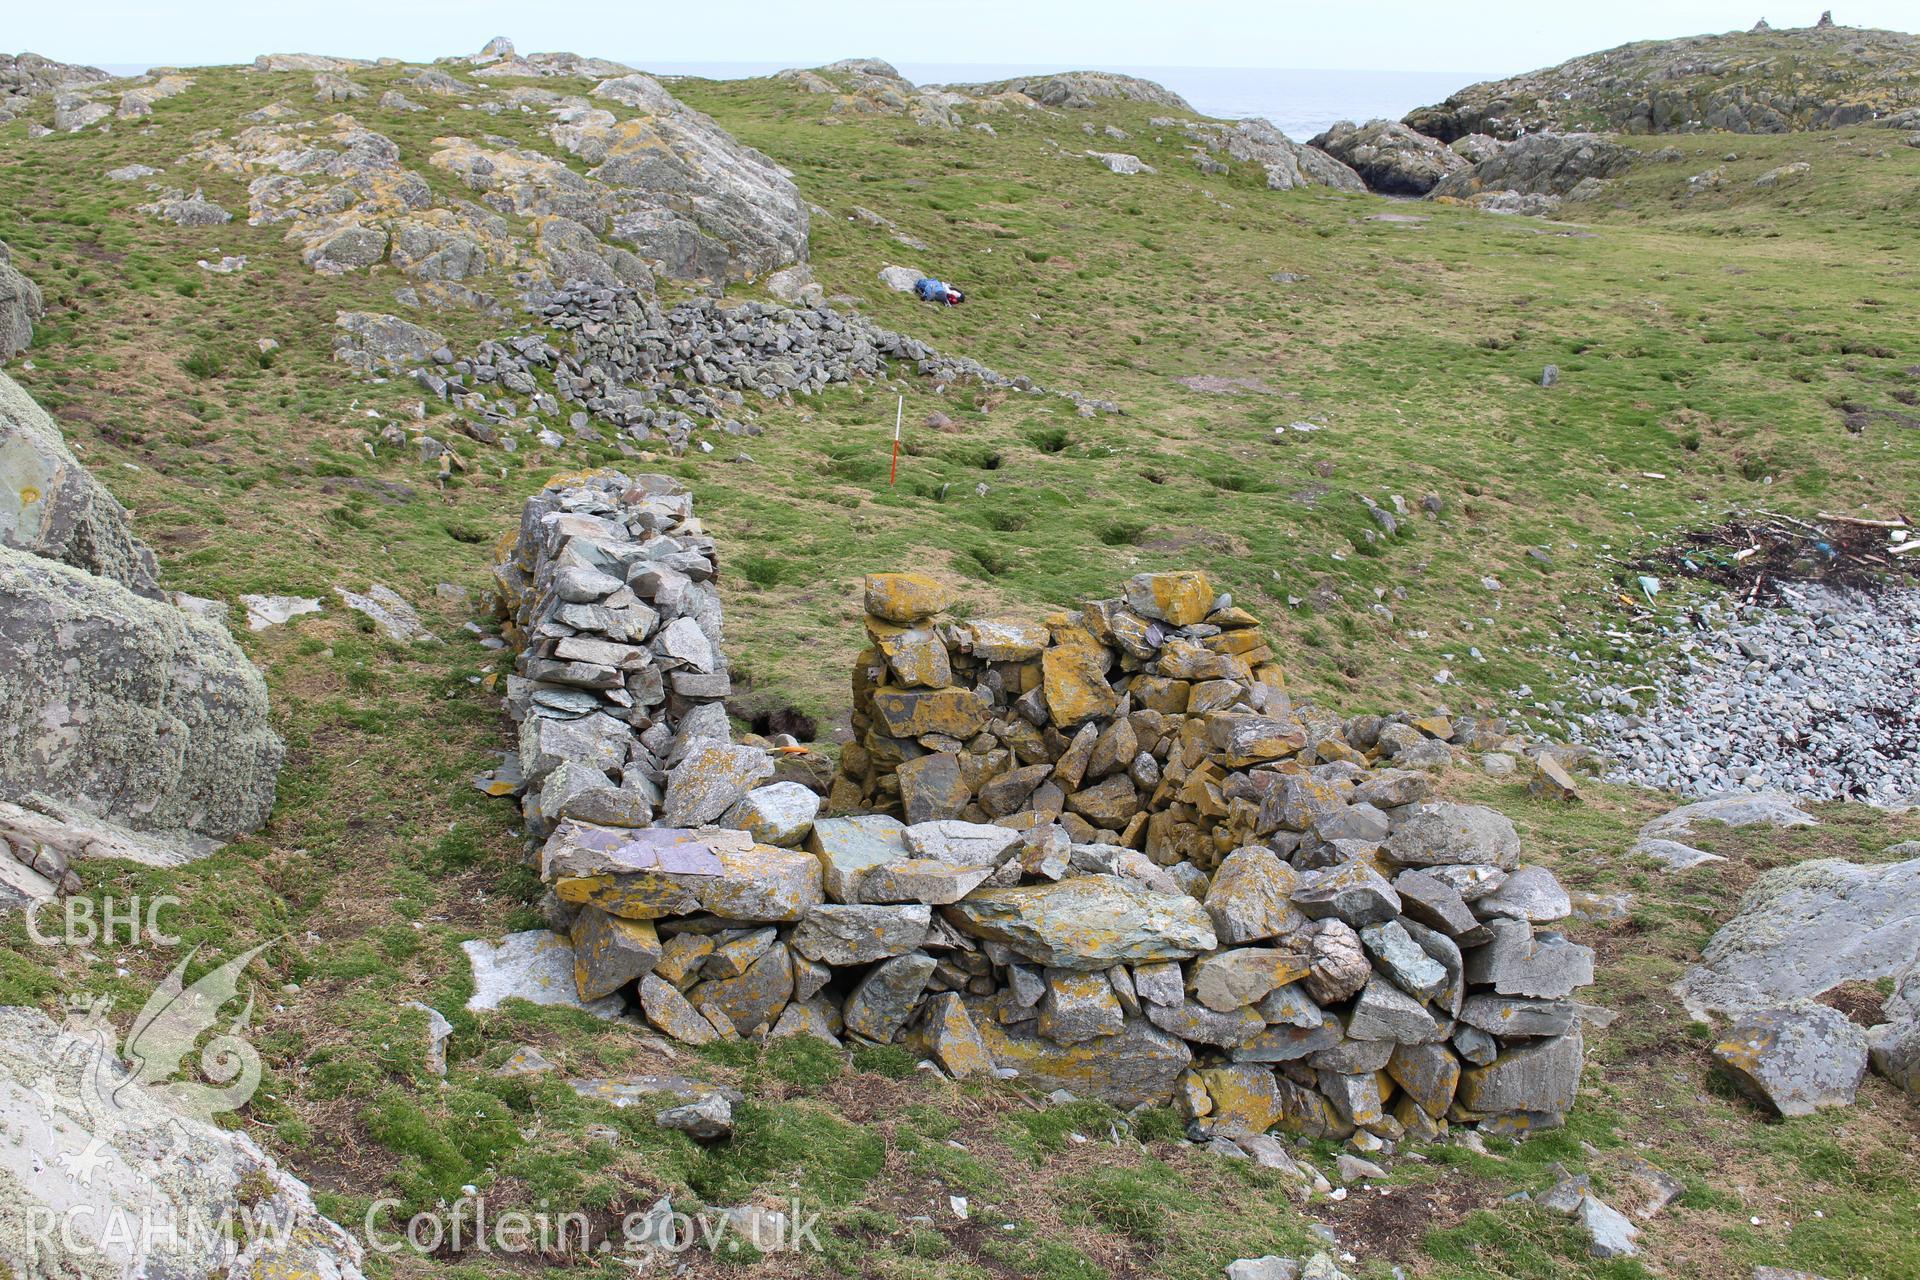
[1710, 339]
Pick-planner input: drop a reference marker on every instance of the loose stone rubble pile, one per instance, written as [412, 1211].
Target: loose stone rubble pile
[1130, 867]
[638, 364]
[649, 370]
[1814, 698]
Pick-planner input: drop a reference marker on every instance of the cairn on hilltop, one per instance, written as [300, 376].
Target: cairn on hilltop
[1102, 851]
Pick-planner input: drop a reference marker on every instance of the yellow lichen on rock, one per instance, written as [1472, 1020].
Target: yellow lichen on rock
[905, 598]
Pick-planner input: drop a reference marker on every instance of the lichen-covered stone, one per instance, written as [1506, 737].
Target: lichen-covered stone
[949, 1037]
[1796, 1058]
[839, 935]
[736, 879]
[1541, 1077]
[1088, 922]
[669, 1011]
[780, 813]
[1441, 834]
[752, 1001]
[127, 708]
[609, 952]
[847, 848]
[914, 713]
[1179, 598]
[1249, 1098]
[1352, 892]
[1139, 1065]
[1249, 897]
[905, 598]
[1430, 1073]
[712, 778]
[1078, 1005]
[1191, 1020]
[1239, 976]
[881, 1004]
[1074, 678]
[931, 788]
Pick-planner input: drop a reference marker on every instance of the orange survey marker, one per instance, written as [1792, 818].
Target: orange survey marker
[898, 410]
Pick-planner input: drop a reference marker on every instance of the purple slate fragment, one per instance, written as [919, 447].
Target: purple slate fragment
[673, 850]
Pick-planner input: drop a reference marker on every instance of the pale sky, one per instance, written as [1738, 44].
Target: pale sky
[1491, 36]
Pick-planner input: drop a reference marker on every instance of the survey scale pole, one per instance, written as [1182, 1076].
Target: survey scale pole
[899, 411]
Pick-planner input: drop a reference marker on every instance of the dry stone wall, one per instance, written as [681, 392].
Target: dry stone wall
[1102, 851]
[606, 594]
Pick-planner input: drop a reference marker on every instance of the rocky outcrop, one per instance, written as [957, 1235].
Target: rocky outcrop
[1771, 81]
[499, 60]
[53, 508]
[104, 1174]
[869, 86]
[1288, 164]
[26, 76]
[666, 186]
[128, 708]
[20, 306]
[1805, 929]
[1796, 1058]
[1894, 1047]
[1078, 90]
[1391, 158]
[116, 707]
[1547, 164]
[687, 195]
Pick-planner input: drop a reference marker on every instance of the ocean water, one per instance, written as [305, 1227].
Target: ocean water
[1301, 103]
